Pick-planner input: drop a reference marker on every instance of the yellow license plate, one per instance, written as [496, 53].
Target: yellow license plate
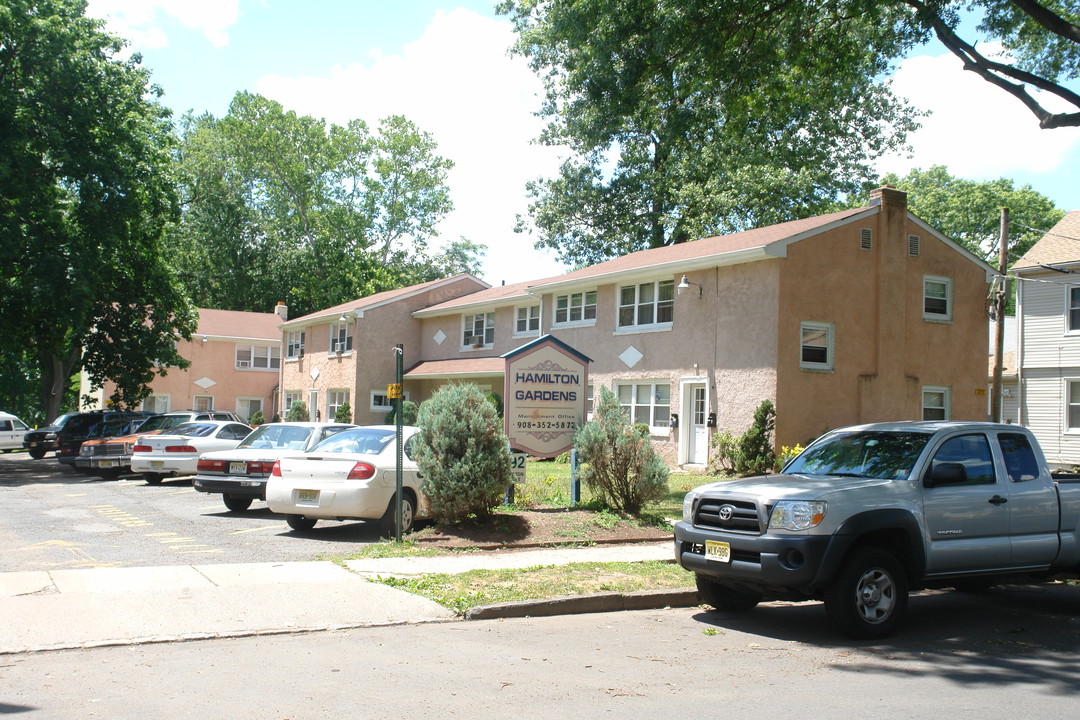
[718, 551]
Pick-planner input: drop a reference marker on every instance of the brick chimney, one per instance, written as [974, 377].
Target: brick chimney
[889, 197]
[282, 311]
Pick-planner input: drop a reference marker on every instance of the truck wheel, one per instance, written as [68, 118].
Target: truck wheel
[236, 503]
[869, 595]
[37, 453]
[153, 478]
[724, 598]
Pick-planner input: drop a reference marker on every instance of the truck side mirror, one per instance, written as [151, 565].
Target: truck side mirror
[946, 474]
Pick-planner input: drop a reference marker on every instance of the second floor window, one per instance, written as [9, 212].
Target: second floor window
[816, 346]
[479, 330]
[258, 357]
[647, 303]
[937, 298]
[294, 344]
[340, 338]
[528, 320]
[575, 308]
[1074, 309]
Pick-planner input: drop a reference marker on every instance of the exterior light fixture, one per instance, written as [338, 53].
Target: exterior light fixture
[343, 319]
[685, 284]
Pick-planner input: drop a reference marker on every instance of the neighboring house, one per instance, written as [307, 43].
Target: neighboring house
[235, 365]
[856, 316]
[1048, 306]
[1010, 377]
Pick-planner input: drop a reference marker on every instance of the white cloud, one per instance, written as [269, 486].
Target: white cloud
[975, 129]
[140, 20]
[457, 82]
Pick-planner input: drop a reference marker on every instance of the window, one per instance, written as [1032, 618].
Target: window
[1020, 461]
[646, 304]
[528, 320]
[971, 451]
[575, 308]
[647, 402]
[292, 397]
[479, 330]
[1072, 421]
[334, 400]
[294, 344]
[258, 357]
[937, 298]
[1074, 309]
[156, 404]
[380, 402]
[246, 407]
[816, 346]
[203, 402]
[935, 403]
[341, 338]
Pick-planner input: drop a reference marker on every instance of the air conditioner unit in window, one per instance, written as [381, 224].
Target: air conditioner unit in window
[475, 341]
[243, 363]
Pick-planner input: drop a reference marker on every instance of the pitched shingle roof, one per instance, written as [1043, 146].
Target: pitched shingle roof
[1060, 245]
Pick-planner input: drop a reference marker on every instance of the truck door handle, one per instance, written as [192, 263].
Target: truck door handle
[998, 500]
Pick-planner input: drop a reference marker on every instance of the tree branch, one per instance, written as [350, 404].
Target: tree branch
[1049, 20]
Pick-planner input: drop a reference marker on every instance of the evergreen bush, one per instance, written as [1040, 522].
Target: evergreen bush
[619, 463]
[298, 412]
[755, 446]
[409, 412]
[344, 413]
[462, 453]
[256, 418]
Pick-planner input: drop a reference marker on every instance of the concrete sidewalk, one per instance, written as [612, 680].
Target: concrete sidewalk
[60, 609]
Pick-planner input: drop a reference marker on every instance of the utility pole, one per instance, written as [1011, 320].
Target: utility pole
[1000, 303]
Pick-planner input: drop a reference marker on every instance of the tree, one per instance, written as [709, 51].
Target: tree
[462, 453]
[969, 211]
[343, 414]
[282, 206]
[695, 117]
[86, 198]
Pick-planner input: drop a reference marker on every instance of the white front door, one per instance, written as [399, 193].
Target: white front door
[697, 436]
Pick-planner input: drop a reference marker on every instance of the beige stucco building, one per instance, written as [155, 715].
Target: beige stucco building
[857, 316]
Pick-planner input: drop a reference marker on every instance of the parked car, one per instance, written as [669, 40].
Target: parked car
[351, 476]
[239, 475]
[107, 424]
[177, 453]
[12, 431]
[111, 456]
[43, 440]
[867, 513]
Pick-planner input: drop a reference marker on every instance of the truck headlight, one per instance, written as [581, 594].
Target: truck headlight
[688, 506]
[797, 514]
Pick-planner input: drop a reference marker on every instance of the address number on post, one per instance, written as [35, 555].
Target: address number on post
[393, 391]
[517, 467]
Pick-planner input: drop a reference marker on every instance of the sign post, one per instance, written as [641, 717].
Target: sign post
[394, 392]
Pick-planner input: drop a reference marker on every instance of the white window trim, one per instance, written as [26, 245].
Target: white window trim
[935, 317]
[334, 333]
[647, 327]
[290, 344]
[465, 324]
[584, 322]
[157, 397]
[946, 391]
[247, 400]
[195, 402]
[528, 309]
[653, 429]
[382, 408]
[1068, 308]
[331, 408]
[830, 346]
[1065, 383]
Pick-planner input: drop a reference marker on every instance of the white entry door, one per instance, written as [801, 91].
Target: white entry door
[697, 436]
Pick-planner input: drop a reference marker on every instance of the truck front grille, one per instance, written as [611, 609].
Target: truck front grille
[730, 515]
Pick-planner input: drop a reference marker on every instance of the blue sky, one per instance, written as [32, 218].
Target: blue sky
[444, 65]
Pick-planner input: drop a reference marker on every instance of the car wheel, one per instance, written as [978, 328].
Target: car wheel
[869, 595]
[300, 523]
[388, 523]
[153, 478]
[724, 598]
[236, 503]
[37, 454]
[110, 474]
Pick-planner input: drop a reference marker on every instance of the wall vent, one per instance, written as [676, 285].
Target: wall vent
[913, 245]
[866, 239]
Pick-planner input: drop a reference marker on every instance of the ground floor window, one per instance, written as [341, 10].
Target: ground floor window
[334, 400]
[936, 403]
[246, 407]
[203, 402]
[647, 402]
[1072, 414]
[156, 404]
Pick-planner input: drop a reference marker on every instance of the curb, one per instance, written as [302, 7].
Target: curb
[581, 604]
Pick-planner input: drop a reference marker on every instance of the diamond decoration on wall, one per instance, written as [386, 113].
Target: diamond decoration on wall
[205, 383]
[439, 337]
[631, 356]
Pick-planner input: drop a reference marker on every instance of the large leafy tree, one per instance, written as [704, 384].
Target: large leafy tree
[282, 206]
[86, 197]
[687, 118]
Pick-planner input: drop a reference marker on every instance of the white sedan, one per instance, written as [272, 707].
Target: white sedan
[350, 476]
[156, 456]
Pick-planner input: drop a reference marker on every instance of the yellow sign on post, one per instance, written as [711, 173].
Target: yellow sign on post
[393, 391]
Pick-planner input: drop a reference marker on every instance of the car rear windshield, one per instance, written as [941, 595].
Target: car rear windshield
[875, 454]
[194, 429]
[162, 422]
[364, 441]
[277, 437]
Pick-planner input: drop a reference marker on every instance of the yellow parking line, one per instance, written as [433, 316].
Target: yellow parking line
[176, 539]
[185, 547]
[75, 495]
[161, 534]
[196, 552]
[181, 492]
[265, 527]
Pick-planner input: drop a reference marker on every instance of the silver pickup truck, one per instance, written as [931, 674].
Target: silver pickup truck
[867, 513]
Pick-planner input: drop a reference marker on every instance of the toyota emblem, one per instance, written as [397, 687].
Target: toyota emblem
[726, 512]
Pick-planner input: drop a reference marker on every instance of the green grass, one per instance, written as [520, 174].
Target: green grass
[462, 591]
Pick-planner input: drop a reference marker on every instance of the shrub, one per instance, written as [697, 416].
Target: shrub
[298, 412]
[408, 414]
[256, 418]
[462, 452]
[725, 456]
[619, 463]
[344, 413]
[755, 446]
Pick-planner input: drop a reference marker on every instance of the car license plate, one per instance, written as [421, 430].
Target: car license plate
[106, 464]
[157, 463]
[718, 551]
[307, 497]
[238, 468]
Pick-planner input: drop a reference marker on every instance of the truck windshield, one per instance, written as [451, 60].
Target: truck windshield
[878, 454]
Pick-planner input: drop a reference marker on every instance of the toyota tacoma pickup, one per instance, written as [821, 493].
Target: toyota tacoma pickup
[867, 513]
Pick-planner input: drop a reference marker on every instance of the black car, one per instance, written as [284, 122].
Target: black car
[96, 423]
[42, 440]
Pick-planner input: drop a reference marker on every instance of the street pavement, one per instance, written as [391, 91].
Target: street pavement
[62, 609]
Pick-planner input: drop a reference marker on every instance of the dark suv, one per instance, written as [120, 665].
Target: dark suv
[42, 440]
[96, 423]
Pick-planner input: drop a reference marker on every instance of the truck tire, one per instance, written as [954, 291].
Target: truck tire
[37, 453]
[868, 597]
[724, 598]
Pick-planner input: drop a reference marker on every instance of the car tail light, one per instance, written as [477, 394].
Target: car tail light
[361, 471]
[180, 449]
[260, 468]
[276, 471]
[211, 466]
[141, 448]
